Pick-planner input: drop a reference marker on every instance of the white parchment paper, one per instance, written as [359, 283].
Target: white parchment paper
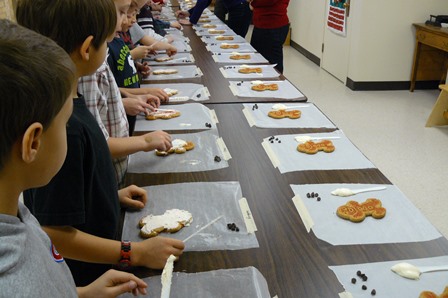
[311, 116]
[224, 283]
[403, 221]
[192, 116]
[183, 72]
[243, 47]
[201, 158]
[205, 201]
[285, 90]
[232, 72]
[196, 92]
[387, 283]
[225, 58]
[179, 58]
[345, 156]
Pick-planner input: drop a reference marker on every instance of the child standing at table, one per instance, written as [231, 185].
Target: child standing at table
[104, 101]
[34, 109]
[84, 223]
[194, 13]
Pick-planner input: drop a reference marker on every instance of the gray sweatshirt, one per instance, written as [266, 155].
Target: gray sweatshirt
[29, 264]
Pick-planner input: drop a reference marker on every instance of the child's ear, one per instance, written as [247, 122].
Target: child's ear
[31, 142]
[84, 50]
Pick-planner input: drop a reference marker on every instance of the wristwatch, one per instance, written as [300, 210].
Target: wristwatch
[125, 255]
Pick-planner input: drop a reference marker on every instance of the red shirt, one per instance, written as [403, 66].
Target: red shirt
[270, 14]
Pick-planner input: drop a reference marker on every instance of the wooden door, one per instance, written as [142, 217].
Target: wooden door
[336, 48]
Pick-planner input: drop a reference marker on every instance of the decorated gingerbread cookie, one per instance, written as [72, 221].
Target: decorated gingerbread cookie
[229, 46]
[209, 26]
[166, 71]
[163, 59]
[357, 212]
[216, 31]
[429, 294]
[170, 91]
[240, 57]
[247, 70]
[178, 146]
[279, 114]
[311, 147]
[224, 37]
[171, 221]
[265, 87]
[163, 114]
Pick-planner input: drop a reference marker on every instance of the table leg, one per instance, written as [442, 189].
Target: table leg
[415, 65]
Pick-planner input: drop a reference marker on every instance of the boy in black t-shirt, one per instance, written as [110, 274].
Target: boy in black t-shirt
[79, 209]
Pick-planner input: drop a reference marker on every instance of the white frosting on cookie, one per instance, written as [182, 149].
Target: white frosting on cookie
[178, 143]
[256, 82]
[169, 220]
[279, 106]
[170, 91]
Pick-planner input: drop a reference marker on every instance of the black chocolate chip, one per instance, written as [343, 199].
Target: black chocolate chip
[364, 287]
[373, 292]
[358, 273]
[353, 280]
[217, 158]
[308, 195]
[364, 278]
[318, 199]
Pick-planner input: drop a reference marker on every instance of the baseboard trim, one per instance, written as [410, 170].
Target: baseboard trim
[394, 85]
[306, 53]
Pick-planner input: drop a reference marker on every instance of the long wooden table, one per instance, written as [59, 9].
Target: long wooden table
[294, 262]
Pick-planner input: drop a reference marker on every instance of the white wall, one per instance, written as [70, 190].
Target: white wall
[307, 24]
[382, 37]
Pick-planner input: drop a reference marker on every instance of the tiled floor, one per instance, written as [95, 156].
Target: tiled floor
[389, 128]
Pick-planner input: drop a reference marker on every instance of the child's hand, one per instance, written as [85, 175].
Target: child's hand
[171, 50]
[140, 104]
[132, 197]
[169, 38]
[141, 52]
[158, 92]
[154, 252]
[143, 68]
[185, 22]
[181, 14]
[158, 139]
[114, 283]
[175, 24]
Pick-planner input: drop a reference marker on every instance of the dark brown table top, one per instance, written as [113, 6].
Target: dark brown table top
[294, 262]
[213, 78]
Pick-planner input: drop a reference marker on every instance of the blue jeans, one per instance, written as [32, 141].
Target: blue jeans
[269, 43]
[240, 17]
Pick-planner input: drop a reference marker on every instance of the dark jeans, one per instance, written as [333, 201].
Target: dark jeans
[240, 17]
[220, 10]
[269, 43]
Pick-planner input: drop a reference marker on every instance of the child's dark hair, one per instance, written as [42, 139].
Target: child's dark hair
[36, 77]
[69, 22]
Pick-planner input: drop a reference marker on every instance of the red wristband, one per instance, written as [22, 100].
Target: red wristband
[125, 255]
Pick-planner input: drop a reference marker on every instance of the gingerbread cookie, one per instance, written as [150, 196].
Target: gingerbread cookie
[229, 46]
[166, 71]
[163, 59]
[221, 37]
[209, 26]
[264, 87]
[311, 147]
[279, 114]
[171, 221]
[178, 146]
[204, 21]
[429, 294]
[216, 31]
[240, 57]
[162, 114]
[170, 91]
[357, 212]
[247, 70]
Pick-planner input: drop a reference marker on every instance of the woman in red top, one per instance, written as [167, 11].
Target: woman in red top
[271, 26]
